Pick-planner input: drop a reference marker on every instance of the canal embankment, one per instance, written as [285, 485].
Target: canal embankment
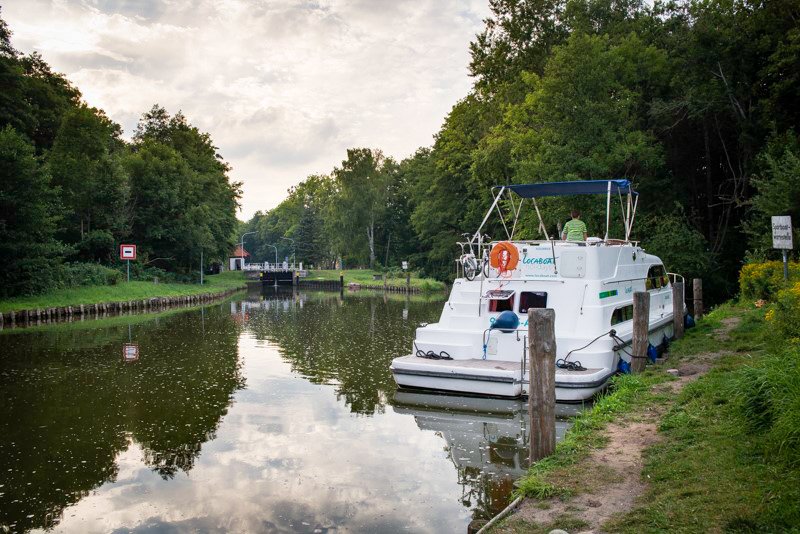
[355, 279]
[705, 440]
[100, 301]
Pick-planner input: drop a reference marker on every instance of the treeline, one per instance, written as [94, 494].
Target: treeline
[72, 190]
[697, 102]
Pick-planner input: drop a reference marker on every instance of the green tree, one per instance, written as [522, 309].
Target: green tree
[85, 163]
[182, 200]
[362, 189]
[777, 192]
[29, 211]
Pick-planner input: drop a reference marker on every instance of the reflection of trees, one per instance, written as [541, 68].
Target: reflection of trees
[348, 342]
[486, 439]
[70, 405]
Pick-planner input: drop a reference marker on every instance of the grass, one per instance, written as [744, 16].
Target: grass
[552, 476]
[729, 460]
[729, 455]
[125, 291]
[365, 277]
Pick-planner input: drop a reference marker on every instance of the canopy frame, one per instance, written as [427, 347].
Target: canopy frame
[545, 189]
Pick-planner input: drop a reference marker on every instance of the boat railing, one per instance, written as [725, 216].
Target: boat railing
[675, 277]
[591, 242]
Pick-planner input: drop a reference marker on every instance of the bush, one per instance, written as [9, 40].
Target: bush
[146, 273]
[785, 313]
[764, 280]
[88, 274]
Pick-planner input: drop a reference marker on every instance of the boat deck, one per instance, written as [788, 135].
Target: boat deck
[472, 363]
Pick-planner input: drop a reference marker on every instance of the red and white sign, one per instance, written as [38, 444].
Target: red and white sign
[127, 252]
[130, 352]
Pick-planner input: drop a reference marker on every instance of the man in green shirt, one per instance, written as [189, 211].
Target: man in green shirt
[575, 229]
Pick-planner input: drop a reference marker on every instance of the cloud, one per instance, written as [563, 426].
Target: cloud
[284, 88]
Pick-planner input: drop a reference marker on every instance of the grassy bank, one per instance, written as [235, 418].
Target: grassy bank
[366, 277]
[727, 455]
[729, 459]
[122, 292]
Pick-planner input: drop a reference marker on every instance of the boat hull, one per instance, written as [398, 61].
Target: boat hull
[491, 379]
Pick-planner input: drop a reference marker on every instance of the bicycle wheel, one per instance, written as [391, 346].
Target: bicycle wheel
[470, 268]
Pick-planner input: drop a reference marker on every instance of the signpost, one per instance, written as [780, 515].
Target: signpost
[128, 253]
[782, 239]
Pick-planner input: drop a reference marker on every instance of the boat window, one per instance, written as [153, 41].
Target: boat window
[621, 315]
[532, 299]
[500, 305]
[656, 277]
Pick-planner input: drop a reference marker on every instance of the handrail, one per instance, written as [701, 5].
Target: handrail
[503, 280]
[675, 277]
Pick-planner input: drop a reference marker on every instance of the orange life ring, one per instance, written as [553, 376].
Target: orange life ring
[504, 262]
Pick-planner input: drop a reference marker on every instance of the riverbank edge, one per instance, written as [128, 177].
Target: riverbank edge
[52, 314]
[364, 279]
[728, 340]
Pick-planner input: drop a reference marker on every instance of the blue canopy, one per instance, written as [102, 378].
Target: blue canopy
[580, 187]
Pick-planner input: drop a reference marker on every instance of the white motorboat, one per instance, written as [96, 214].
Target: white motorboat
[475, 349]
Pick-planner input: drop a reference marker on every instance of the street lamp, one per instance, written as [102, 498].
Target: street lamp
[294, 258]
[276, 262]
[241, 248]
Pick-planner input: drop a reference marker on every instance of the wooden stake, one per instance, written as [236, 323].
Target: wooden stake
[697, 285]
[641, 330]
[677, 310]
[542, 386]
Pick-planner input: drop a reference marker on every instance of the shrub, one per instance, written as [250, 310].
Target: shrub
[764, 280]
[88, 274]
[785, 313]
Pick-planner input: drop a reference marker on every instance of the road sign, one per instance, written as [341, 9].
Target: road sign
[127, 252]
[782, 232]
[405, 265]
[130, 352]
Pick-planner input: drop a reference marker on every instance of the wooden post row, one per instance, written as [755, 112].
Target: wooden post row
[697, 288]
[641, 330]
[677, 310]
[542, 382]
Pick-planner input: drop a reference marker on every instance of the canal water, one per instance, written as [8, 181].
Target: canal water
[270, 412]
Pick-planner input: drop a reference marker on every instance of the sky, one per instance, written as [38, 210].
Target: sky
[283, 87]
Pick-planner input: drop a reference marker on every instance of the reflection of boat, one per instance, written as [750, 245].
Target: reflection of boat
[487, 440]
[589, 284]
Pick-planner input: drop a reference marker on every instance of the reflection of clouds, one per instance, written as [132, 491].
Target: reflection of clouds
[288, 457]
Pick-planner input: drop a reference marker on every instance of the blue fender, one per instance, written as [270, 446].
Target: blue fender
[652, 353]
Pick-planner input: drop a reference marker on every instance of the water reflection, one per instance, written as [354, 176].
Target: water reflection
[487, 441]
[344, 342]
[274, 412]
[70, 405]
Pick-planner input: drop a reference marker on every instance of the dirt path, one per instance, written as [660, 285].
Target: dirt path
[610, 479]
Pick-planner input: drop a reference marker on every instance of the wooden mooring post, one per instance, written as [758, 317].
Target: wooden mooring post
[542, 382]
[697, 296]
[677, 310]
[641, 330]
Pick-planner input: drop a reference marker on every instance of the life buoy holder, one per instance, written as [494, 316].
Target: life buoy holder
[504, 257]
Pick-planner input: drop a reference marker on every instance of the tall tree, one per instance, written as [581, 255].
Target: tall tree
[362, 185]
[183, 201]
[29, 252]
[85, 163]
